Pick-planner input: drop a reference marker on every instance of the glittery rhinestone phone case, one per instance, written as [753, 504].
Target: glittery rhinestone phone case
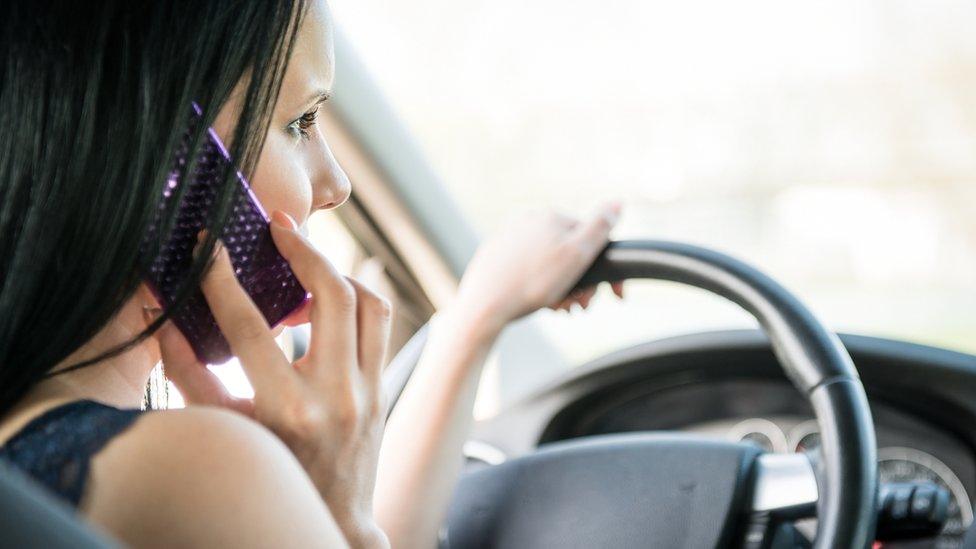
[260, 268]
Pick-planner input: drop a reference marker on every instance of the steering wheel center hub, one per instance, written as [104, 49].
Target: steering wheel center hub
[634, 490]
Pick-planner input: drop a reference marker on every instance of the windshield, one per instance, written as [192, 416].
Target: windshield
[831, 144]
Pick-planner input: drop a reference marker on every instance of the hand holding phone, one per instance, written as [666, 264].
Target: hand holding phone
[328, 405]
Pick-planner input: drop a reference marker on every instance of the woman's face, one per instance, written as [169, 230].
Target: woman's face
[296, 172]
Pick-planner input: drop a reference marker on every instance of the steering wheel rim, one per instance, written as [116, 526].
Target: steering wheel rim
[812, 357]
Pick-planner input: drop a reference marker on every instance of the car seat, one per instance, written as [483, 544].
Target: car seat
[32, 517]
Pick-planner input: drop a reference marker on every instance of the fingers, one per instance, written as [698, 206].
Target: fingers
[333, 308]
[196, 383]
[618, 288]
[590, 236]
[585, 241]
[300, 315]
[581, 296]
[245, 328]
[373, 314]
[584, 296]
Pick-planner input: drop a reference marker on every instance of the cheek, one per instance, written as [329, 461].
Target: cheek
[280, 181]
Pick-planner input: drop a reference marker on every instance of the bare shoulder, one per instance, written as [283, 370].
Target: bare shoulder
[205, 476]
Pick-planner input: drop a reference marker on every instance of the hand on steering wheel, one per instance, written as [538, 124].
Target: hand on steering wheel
[533, 262]
[666, 490]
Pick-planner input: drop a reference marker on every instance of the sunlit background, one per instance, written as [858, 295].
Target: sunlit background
[832, 144]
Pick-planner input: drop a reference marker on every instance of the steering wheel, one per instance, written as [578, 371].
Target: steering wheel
[675, 490]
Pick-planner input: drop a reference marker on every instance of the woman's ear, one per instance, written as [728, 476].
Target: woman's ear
[177, 347]
[150, 306]
[146, 296]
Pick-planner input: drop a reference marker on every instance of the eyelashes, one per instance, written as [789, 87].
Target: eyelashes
[303, 123]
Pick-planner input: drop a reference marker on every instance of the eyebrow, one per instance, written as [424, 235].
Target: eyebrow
[318, 97]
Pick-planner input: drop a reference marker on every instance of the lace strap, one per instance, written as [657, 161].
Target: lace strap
[56, 447]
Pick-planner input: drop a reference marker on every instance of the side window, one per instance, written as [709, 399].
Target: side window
[334, 239]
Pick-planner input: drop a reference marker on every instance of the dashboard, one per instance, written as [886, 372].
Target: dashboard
[729, 385]
[769, 415]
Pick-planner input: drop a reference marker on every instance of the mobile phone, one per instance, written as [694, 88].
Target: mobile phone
[262, 271]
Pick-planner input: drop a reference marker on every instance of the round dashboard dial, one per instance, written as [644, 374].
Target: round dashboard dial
[899, 464]
[761, 432]
[805, 436]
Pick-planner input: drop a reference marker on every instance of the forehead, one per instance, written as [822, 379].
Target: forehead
[312, 65]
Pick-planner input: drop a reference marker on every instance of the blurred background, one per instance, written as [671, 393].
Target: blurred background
[832, 144]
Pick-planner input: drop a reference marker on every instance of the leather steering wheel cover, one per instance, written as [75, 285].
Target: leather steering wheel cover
[809, 353]
[845, 513]
[812, 358]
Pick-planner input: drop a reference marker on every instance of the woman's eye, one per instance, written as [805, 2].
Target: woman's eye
[305, 122]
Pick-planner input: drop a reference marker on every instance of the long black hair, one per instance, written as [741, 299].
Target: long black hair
[94, 99]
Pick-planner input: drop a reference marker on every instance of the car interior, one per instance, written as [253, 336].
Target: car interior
[777, 429]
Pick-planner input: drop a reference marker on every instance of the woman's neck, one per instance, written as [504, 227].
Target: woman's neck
[119, 381]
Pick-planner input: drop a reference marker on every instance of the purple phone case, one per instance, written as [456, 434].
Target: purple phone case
[260, 268]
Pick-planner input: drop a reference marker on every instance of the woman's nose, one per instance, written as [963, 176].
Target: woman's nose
[331, 186]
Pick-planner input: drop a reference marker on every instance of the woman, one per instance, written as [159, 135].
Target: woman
[93, 99]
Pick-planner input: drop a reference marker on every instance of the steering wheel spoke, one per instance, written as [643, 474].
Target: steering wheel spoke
[784, 489]
[785, 486]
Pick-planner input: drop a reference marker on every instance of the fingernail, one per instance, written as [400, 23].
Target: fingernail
[201, 236]
[218, 249]
[283, 220]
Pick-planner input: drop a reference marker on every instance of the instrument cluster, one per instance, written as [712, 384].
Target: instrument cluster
[897, 461]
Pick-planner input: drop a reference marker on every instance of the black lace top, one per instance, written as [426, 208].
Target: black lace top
[56, 447]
